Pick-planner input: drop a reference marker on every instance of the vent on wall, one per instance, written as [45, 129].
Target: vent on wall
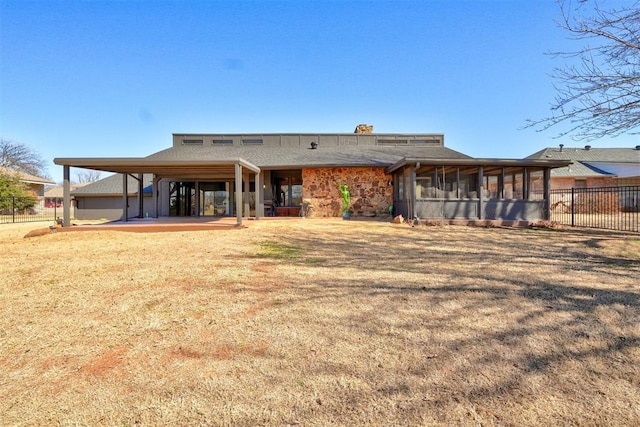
[393, 142]
[222, 142]
[252, 142]
[192, 141]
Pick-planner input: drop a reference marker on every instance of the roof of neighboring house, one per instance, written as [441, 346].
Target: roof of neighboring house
[57, 191]
[608, 155]
[591, 162]
[25, 177]
[112, 186]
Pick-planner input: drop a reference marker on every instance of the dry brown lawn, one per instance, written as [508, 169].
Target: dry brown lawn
[320, 322]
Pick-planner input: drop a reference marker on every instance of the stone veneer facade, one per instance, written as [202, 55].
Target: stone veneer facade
[370, 189]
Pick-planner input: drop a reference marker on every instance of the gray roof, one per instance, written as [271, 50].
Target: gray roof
[112, 186]
[58, 190]
[586, 162]
[323, 156]
[609, 155]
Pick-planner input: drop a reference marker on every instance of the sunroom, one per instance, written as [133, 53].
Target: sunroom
[472, 189]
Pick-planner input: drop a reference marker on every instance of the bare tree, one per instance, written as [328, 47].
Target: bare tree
[19, 157]
[87, 175]
[600, 96]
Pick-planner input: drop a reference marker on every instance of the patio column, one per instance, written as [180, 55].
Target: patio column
[412, 192]
[140, 196]
[196, 211]
[546, 211]
[154, 196]
[238, 185]
[245, 195]
[66, 197]
[259, 179]
[125, 198]
[481, 192]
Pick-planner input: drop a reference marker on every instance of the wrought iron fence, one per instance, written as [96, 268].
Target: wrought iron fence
[29, 209]
[613, 208]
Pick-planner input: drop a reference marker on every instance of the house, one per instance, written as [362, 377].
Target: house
[103, 199]
[34, 184]
[593, 167]
[53, 195]
[245, 175]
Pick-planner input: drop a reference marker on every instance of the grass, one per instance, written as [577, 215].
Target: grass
[320, 322]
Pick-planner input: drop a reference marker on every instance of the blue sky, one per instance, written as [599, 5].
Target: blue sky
[117, 78]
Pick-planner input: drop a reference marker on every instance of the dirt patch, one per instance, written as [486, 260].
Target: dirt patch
[107, 362]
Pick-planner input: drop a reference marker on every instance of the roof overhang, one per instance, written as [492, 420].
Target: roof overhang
[161, 168]
[503, 163]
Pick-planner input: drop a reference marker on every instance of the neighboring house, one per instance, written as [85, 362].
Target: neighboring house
[53, 196]
[593, 167]
[34, 184]
[273, 174]
[103, 199]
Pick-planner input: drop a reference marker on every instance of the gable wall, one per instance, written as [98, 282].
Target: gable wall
[369, 187]
[36, 189]
[305, 140]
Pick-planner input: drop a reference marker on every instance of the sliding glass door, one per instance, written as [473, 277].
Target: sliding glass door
[214, 199]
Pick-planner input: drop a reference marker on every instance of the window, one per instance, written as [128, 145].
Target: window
[424, 187]
[513, 184]
[468, 183]
[491, 187]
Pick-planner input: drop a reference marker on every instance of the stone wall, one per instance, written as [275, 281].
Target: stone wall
[370, 191]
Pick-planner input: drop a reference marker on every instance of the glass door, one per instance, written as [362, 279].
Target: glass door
[214, 199]
[288, 190]
[182, 198]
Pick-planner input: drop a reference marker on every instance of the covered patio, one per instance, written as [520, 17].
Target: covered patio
[238, 169]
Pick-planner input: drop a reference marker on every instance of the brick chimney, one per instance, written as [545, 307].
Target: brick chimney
[362, 128]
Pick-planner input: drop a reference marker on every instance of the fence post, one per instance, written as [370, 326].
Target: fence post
[573, 209]
[13, 209]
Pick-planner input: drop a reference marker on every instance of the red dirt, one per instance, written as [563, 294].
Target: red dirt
[106, 363]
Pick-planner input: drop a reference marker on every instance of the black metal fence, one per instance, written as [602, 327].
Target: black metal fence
[612, 208]
[29, 209]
